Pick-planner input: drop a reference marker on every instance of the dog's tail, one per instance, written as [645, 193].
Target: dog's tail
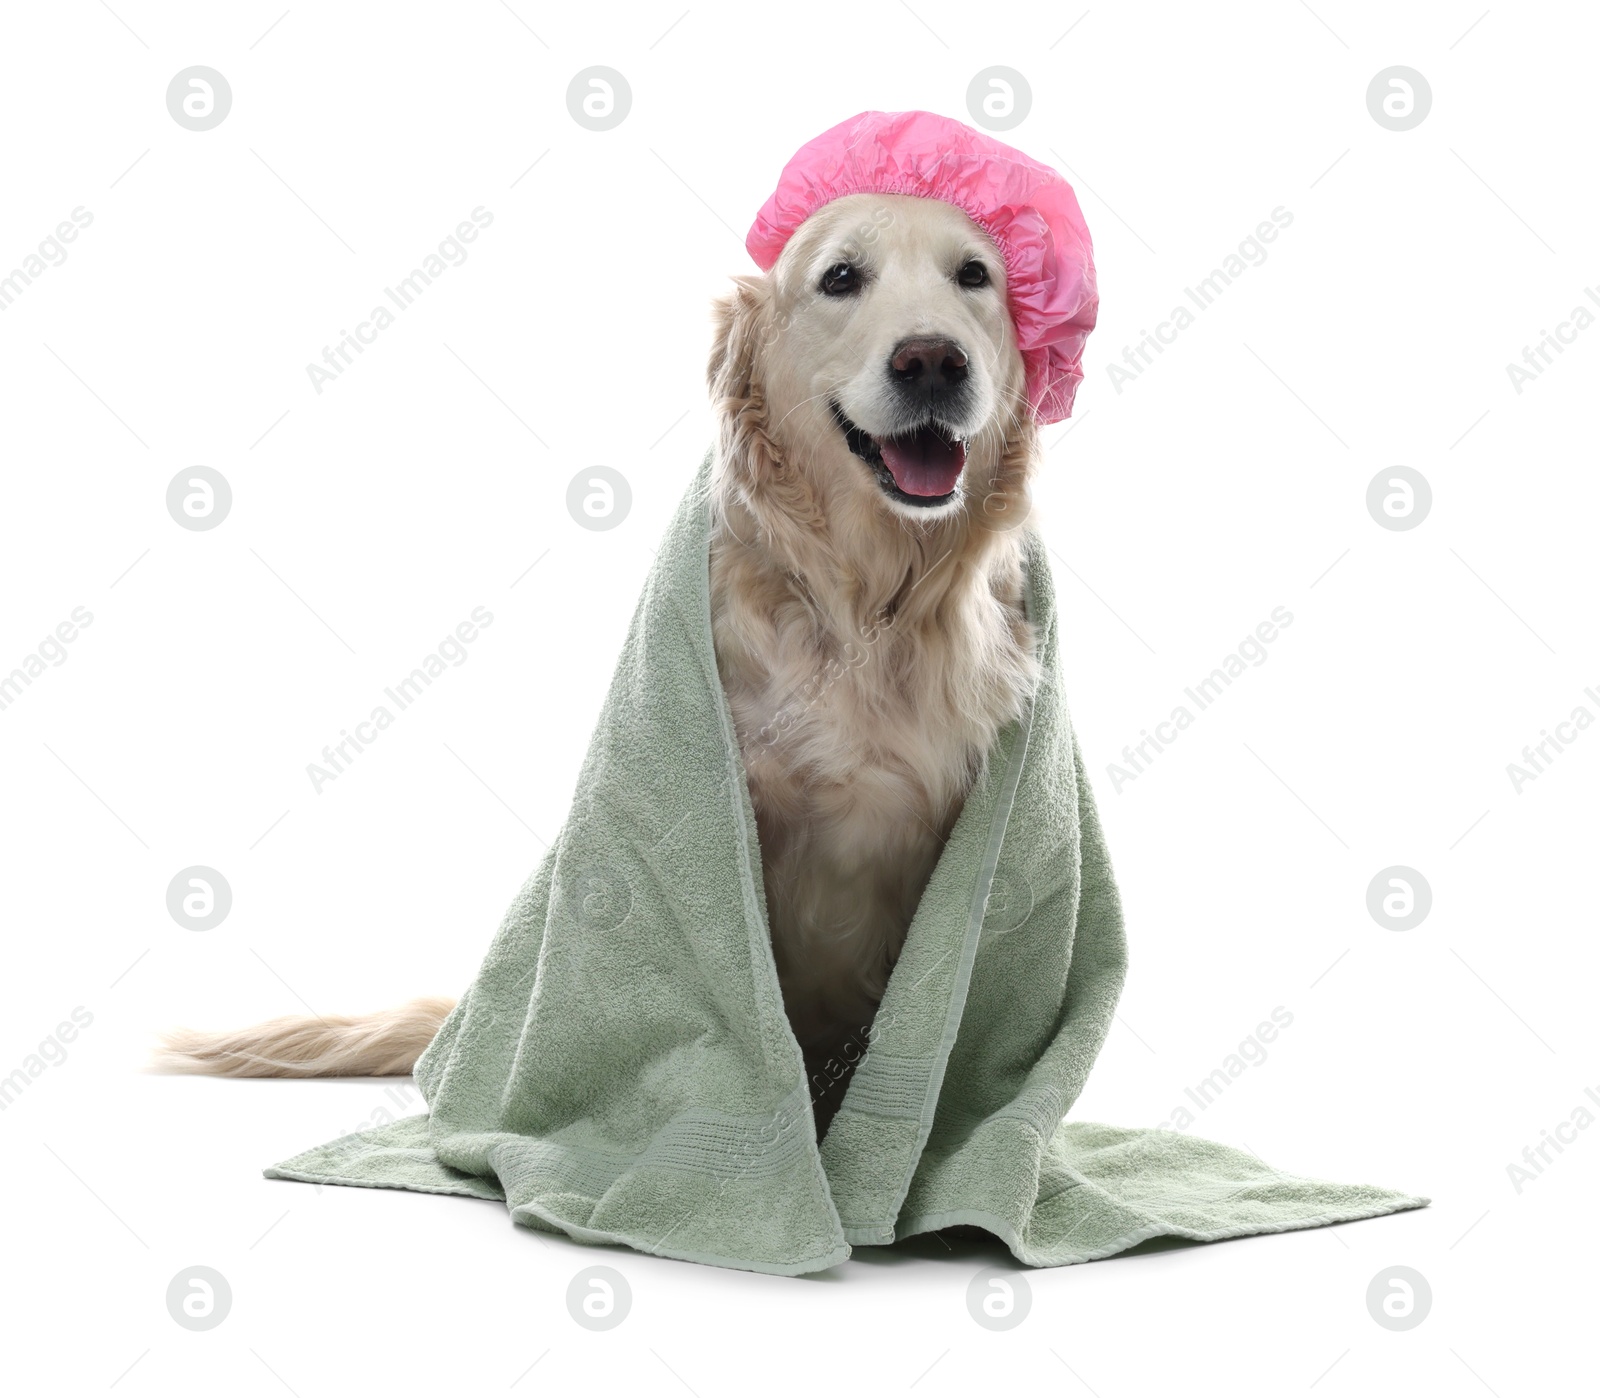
[379, 1045]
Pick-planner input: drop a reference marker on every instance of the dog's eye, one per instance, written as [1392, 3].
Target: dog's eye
[973, 274]
[841, 279]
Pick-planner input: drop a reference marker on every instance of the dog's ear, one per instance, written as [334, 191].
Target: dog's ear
[741, 327]
[744, 327]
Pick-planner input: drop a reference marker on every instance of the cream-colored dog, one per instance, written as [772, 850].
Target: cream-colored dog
[873, 455]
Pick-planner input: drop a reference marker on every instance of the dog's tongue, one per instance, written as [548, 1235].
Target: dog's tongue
[925, 463]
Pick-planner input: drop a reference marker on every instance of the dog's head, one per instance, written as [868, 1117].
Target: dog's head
[875, 368]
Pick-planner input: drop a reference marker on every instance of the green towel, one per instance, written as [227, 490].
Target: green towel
[621, 1070]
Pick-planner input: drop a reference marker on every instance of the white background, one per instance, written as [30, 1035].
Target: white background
[369, 520]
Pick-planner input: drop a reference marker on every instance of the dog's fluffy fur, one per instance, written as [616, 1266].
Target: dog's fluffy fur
[871, 646]
[379, 1045]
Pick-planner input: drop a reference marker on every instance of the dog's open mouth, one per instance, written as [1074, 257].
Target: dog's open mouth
[917, 468]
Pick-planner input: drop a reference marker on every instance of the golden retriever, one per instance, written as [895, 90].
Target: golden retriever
[874, 448]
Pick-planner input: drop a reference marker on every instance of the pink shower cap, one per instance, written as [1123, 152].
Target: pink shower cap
[1027, 208]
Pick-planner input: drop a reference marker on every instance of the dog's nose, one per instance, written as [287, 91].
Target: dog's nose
[928, 367]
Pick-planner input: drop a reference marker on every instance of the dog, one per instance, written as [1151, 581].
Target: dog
[872, 463]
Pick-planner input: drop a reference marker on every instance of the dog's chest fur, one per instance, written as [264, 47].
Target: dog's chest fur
[863, 721]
